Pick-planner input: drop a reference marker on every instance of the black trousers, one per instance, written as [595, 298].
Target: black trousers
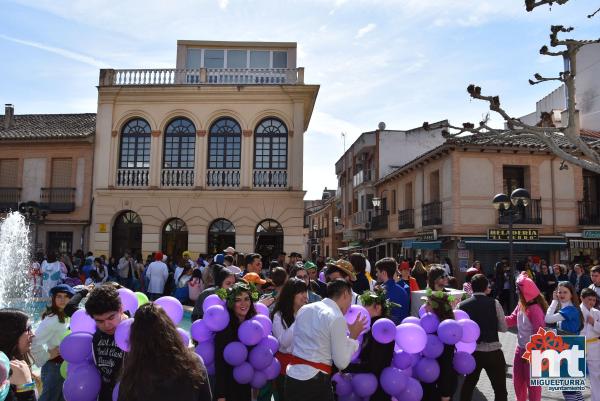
[495, 366]
[317, 388]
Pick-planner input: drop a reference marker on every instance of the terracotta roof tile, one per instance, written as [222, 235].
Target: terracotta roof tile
[49, 126]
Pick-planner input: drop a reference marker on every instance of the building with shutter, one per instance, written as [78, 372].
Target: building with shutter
[46, 167]
[203, 156]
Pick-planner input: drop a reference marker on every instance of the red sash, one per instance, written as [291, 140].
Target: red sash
[295, 360]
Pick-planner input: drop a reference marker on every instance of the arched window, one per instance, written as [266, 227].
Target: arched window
[127, 234]
[269, 239]
[221, 234]
[174, 238]
[224, 144]
[135, 144]
[270, 145]
[180, 144]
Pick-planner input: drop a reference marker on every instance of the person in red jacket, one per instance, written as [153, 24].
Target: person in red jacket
[404, 271]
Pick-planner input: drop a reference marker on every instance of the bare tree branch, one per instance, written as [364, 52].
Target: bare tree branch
[594, 13]
[531, 4]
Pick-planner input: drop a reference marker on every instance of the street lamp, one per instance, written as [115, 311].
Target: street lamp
[34, 214]
[376, 202]
[511, 207]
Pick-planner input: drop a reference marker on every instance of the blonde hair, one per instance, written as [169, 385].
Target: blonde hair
[418, 268]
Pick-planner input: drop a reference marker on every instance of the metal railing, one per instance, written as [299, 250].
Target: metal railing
[132, 177]
[589, 213]
[270, 179]
[530, 214]
[362, 217]
[229, 179]
[432, 213]
[9, 199]
[380, 221]
[406, 219]
[58, 200]
[363, 176]
[177, 178]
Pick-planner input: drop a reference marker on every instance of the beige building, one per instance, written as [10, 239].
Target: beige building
[203, 156]
[320, 220]
[46, 168]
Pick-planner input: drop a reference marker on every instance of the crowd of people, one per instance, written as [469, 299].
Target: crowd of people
[307, 301]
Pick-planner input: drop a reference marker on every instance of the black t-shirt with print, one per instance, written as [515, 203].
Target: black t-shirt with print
[108, 358]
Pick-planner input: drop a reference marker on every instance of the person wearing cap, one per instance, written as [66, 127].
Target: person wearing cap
[471, 271]
[229, 251]
[316, 285]
[187, 258]
[385, 270]
[528, 316]
[344, 270]
[406, 278]
[48, 336]
[281, 259]
[157, 274]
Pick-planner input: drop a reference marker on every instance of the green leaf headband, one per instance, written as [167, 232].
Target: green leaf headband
[379, 297]
[234, 291]
[435, 299]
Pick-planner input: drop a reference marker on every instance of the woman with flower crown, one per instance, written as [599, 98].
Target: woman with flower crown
[240, 305]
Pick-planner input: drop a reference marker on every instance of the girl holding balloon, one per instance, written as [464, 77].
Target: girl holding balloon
[47, 338]
[240, 305]
[528, 316]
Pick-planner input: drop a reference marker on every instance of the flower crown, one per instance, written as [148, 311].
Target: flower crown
[234, 291]
[435, 299]
[378, 296]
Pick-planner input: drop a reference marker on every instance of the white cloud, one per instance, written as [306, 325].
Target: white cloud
[364, 30]
[82, 58]
[223, 4]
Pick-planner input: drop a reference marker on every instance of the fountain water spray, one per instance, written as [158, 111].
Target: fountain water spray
[15, 286]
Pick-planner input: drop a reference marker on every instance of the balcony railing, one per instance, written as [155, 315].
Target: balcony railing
[363, 176]
[132, 177]
[589, 213]
[58, 200]
[380, 221]
[432, 214]
[362, 217]
[270, 179]
[9, 199]
[228, 179]
[202, 76]
[177, 178]
[530, 214]
[406, 219]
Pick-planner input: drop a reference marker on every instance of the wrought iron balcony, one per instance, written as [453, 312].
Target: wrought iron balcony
[9, 199]
[530, 214]
[589, 213]
[432, 214]
[177, 178]
[406, 219]
[362, 217]
[58, 200]
[224, 179]
[132, 177]
[380, 221]
[270, 179]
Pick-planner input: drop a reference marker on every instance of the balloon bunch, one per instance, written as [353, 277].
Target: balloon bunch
[82, 379]
[252, 357]
[418, 343]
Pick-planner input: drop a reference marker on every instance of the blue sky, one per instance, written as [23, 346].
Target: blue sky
[398, 61]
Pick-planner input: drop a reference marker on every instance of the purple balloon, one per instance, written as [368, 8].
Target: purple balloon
[273, 370]
[76, 347]
[83, 384]
[211, 300]
[207, 351]
[449, 331]
[122, 334]
[460, 314]
[115, 393]
[408, 372]
[82, 322]
[434, 347]
[185, 338]
[260, 357]
[393, 380]
[261, 309]
[469, 348]
[423, 310]
[384, 331]
[235, 353]
[250, 332]
[322, 276]
[216, 318]
[354, 311]
[402, 359]
[200, 332]
[412, 391]
[364, 384]
[265, 322]
[343, 384]
[243, 374]
[258, 380]
[270, 342]
[427, 370]
[430, 322]
[355, 357]
[414, 359]
[353, 397]
[172, 307]
[470, 330]
[128, 300]
[411, 338]
[463, 363]
[412, 319]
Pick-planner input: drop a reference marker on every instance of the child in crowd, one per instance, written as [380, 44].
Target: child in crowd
[591, 330]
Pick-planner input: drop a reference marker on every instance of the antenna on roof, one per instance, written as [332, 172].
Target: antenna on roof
[344, 139]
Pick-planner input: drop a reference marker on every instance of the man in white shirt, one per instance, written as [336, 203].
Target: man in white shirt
[591, 331]
[595, 276]
[156, 274]
[320, 341]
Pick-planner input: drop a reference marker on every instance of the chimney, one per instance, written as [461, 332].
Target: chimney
[9, 116]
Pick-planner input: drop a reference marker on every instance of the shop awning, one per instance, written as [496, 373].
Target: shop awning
[427, 245]
[348, 248]
[407, 243]
[544, 244]
[584, 243]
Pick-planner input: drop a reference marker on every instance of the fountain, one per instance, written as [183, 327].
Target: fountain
[15, 286]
